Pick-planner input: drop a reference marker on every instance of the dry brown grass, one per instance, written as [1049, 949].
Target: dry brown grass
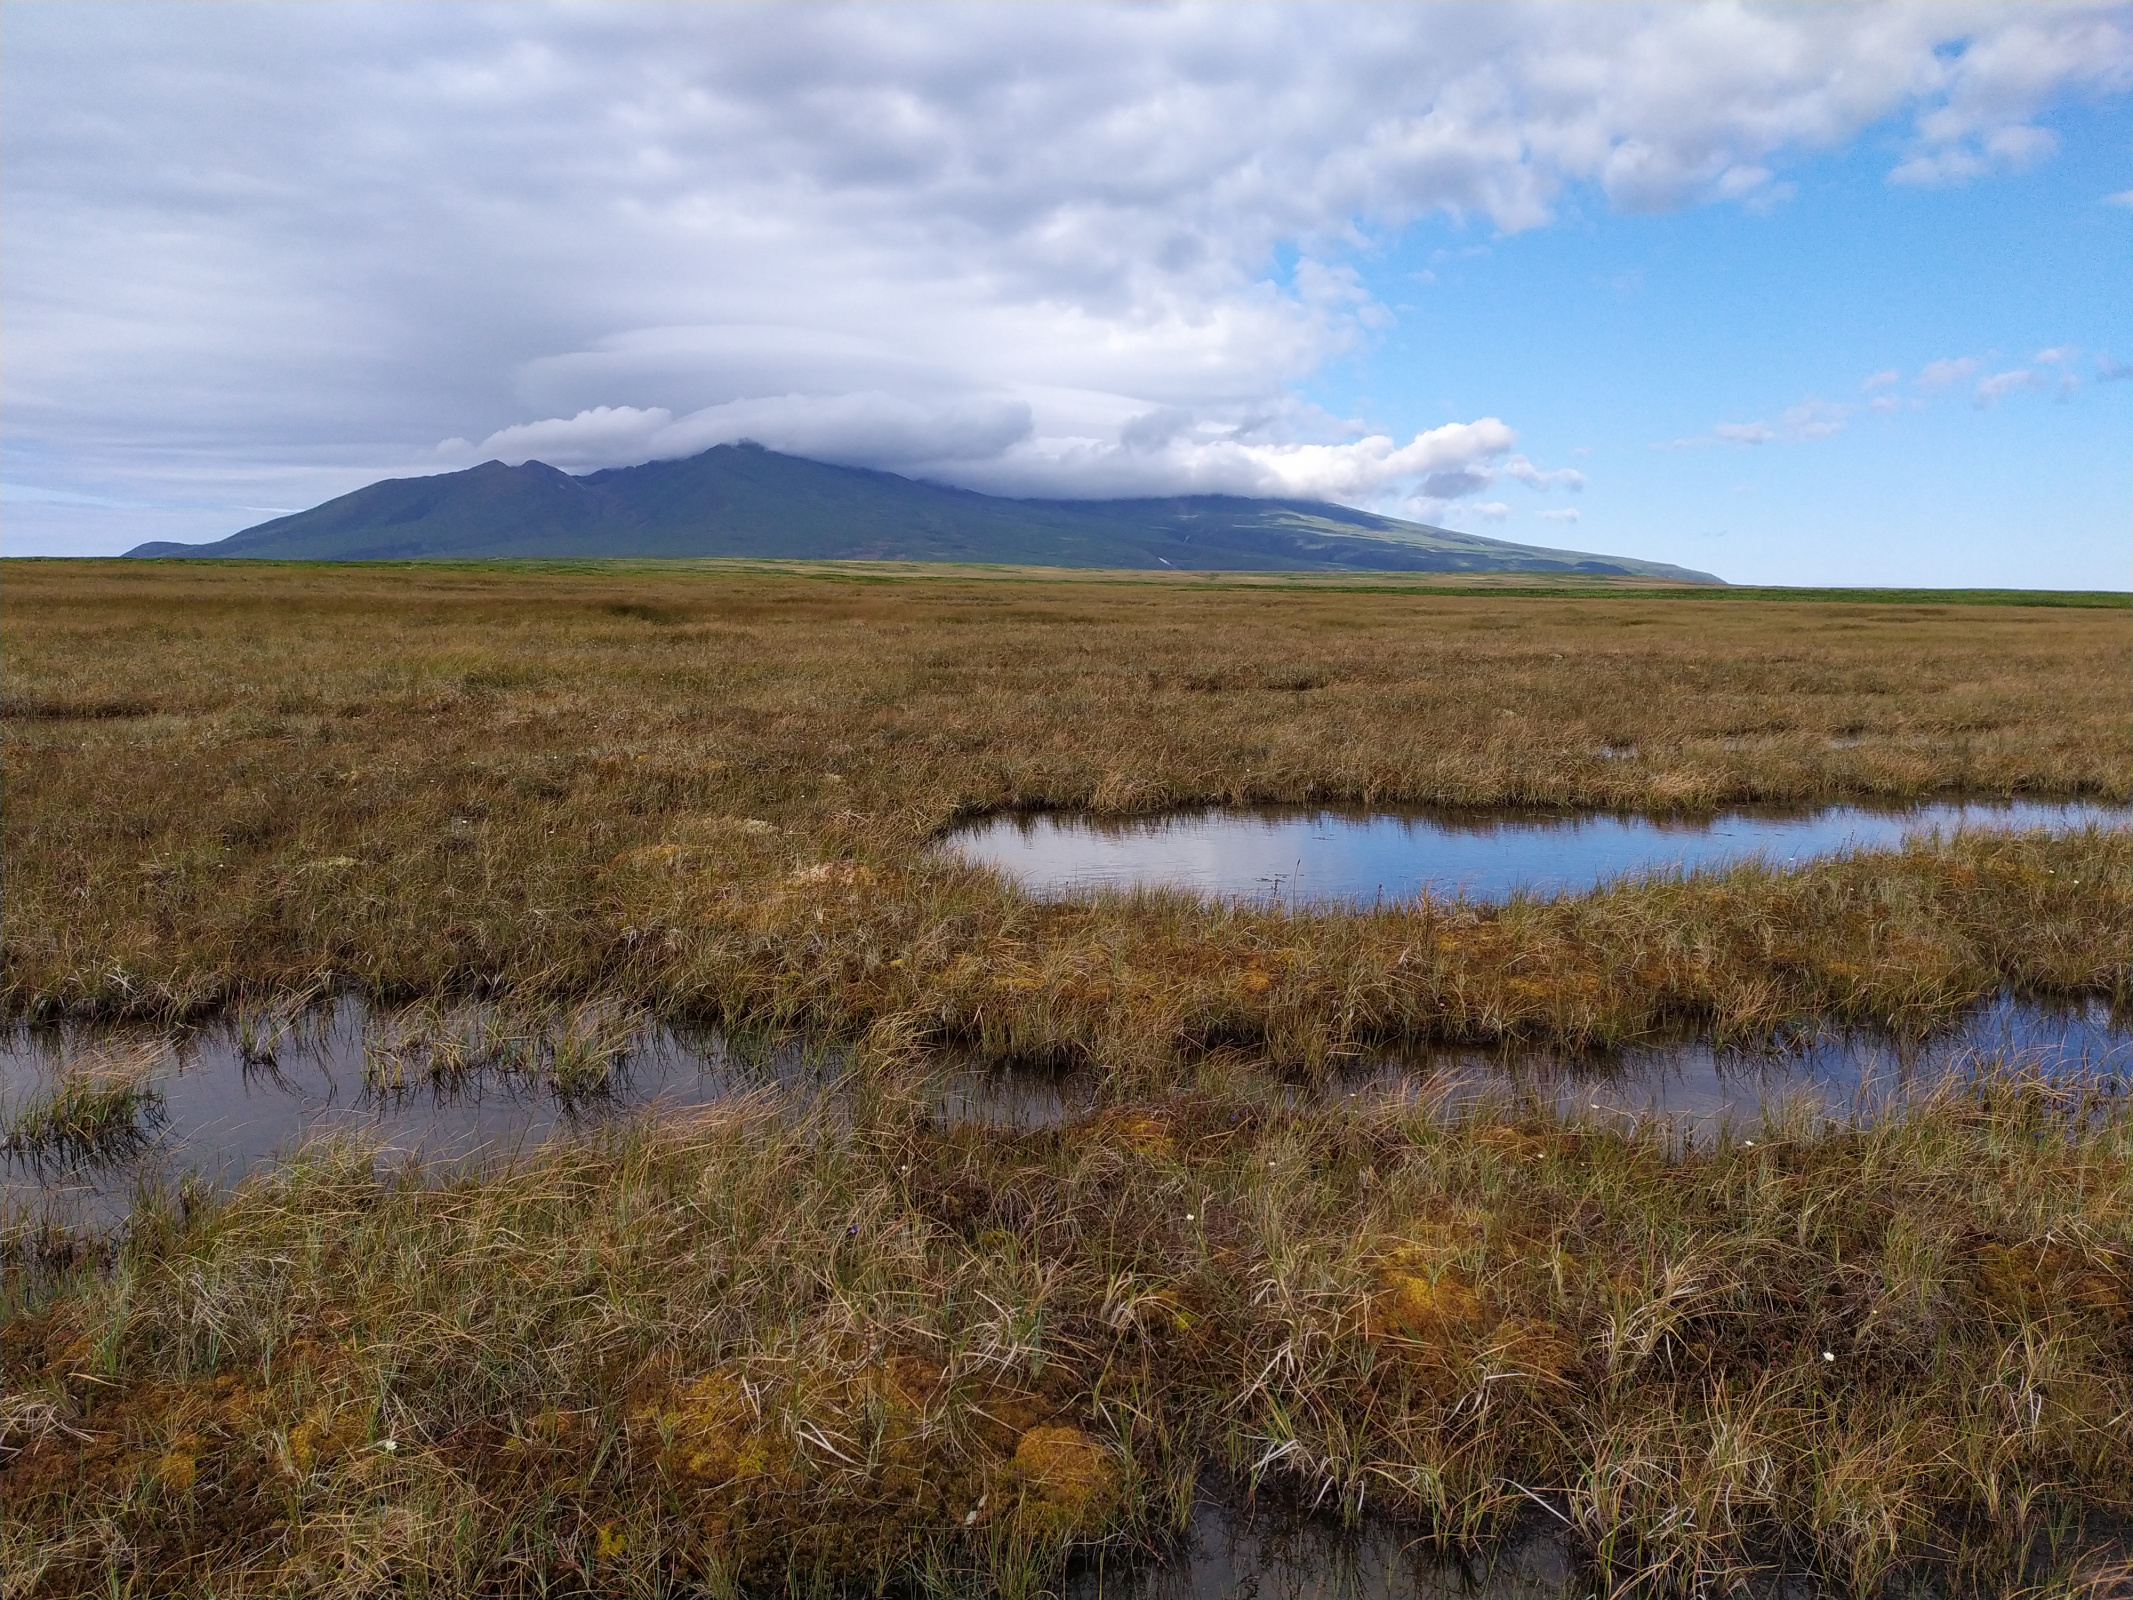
[850, 1345]
[810, 1349]
[709, 790]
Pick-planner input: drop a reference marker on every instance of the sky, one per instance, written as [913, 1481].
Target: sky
[1794, 294]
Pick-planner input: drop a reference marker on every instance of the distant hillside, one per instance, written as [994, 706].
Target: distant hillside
[743, 500]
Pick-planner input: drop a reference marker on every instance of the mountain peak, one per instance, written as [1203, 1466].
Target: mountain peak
[742, 499]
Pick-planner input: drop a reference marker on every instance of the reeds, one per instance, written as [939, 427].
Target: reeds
[775, 1347]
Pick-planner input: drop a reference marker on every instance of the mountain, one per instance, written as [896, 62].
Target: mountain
[744, 500]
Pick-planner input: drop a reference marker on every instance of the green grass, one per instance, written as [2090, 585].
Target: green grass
[576, 1050]
[1481, 585]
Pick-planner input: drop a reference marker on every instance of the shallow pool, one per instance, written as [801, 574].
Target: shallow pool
[228, 1100]
[1332, 857]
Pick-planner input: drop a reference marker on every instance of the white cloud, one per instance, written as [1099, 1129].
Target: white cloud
[1979, 118]
[860, 430]
[1815, 419]
[1004, 246]
[1991, 390]
[1744, 433]
[1490, 510]
[1358, 471]
[1807, 421]
[1945, 374]
[1561, 514]
[2124, 197]
[1524, 471]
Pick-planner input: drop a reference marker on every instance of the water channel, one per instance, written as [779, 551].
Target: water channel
[227, 1100]
[1300, 856]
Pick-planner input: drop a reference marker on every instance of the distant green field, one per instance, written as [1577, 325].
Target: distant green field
[1493, 584]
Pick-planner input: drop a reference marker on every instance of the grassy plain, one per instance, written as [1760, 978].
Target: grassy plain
[794, 1346]
[709, 791]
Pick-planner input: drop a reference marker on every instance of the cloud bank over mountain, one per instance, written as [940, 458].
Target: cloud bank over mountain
[263, 254]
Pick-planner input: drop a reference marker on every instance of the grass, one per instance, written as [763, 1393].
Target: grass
[577, 1051]
[90, 1111]
[775, 1346]
[710, 793]
[814, 1345]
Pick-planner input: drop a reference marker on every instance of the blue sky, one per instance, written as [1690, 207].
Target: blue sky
[1716, 284]
[1612, 338]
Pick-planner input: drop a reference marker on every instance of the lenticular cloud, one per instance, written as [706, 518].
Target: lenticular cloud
[990, 445]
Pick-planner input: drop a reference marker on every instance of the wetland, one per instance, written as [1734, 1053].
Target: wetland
[587, 1136]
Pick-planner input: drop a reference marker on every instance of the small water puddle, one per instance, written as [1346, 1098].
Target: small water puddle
[222, 1101]
[1840, 1072]
[1227, 1551]
[1234, 1551]
[1328, 857]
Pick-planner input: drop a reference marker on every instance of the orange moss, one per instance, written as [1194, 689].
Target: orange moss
[1067, 1483]
[2040, 1280]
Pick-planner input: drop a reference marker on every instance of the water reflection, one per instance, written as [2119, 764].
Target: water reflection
[232, 1098]
[1332, 857]
[1838, 1072]
[225, 1101]
[1230, 1552]
[1226, 1554]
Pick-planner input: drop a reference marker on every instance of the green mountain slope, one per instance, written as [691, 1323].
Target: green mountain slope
[743, 500]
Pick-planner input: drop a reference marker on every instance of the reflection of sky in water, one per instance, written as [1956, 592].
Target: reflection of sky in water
[223, 1118]
[1840, 1071]
[1298, 857]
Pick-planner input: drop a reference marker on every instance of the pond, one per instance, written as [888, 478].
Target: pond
[1328, 857]
[437, 1088]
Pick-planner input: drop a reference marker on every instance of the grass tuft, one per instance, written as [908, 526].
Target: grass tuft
[100, 1110]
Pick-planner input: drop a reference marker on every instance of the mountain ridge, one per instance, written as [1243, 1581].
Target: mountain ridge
[745, 500]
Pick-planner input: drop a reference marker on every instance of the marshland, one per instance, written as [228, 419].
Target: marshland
[833, 1337]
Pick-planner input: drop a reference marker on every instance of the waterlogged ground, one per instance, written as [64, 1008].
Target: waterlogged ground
[1298, 856]
[444, 1088]
[1231, 1551]
[1229, 1554]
